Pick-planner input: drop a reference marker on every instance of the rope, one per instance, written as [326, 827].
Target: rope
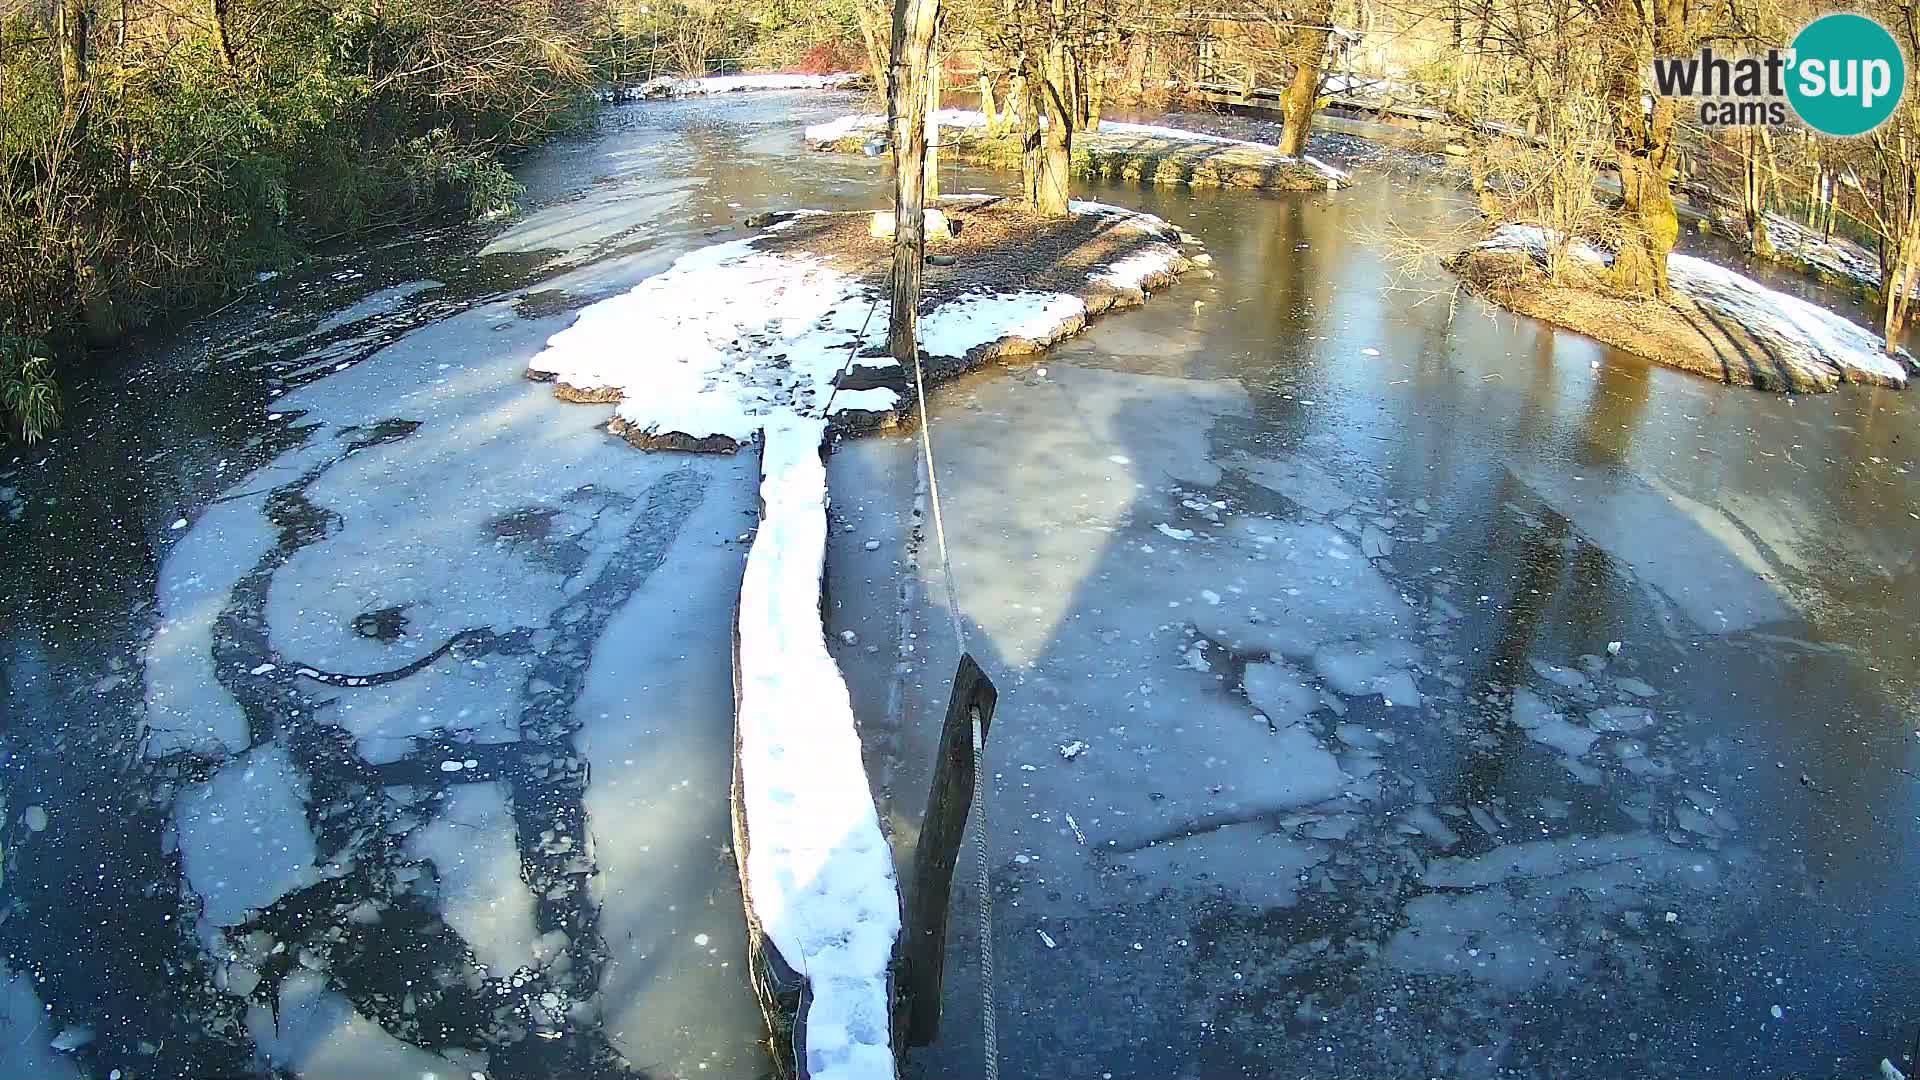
[853, 348]
[978, 811]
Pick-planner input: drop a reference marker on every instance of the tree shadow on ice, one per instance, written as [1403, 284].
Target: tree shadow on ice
[1188, 884]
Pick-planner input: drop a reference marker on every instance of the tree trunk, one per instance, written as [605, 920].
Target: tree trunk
[1032, 109]
[876, 57]
[913, 22]
[994, 123]
[1055, 156]
[931, 170]
[1096, 97]
[1900, 272]
[222, 38]
[1309, 59]
[1643, 140]
[1755, 195]
[70, 42]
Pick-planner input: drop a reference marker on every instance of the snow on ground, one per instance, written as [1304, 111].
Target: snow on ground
[1852, 348]
[875, 124]
[1788, 322]
[666, 86]
[688, 349]
[733, 336]
[470, 842]
[959, 326]
[819, 873]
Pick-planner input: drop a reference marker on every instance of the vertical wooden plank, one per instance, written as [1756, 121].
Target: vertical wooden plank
[934, 856]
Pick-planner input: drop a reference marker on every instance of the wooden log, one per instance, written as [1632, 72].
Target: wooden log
[781, 991]
[941, 832]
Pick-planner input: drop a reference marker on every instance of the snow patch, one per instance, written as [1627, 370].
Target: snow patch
[1794, 325]
[670, 86]
[958, 326]
[689, 350]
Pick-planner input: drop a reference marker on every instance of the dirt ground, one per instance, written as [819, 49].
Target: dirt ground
[998, 246]
[1676, 332]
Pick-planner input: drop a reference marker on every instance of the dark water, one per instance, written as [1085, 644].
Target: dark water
[366, 482]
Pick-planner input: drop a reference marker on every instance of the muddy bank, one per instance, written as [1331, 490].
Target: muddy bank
[793, 319]
[1715, 323]
[1134, 153]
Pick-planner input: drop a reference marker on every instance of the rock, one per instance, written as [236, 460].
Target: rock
[937, 225]
[849, 637]
[941, 260]
[35, 819]
[873, 545]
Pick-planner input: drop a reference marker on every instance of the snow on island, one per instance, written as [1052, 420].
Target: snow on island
[1722, 324]
[702, 355]
[1148, 152]
[746, 341]
[674, 86]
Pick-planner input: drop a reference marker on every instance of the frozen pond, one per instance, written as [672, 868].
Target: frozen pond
[368, 711]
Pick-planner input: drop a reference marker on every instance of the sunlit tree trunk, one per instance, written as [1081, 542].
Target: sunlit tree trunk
[1635, 31]
[1056, 149]
[70, 19]
[1309, 60]
[222, 34]
[931, 170]
[876, 55]
[987, 107]
[1899, 272]
[1755, 196]
[913, 25]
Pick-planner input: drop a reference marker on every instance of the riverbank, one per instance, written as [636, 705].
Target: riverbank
[1718, 323]
[1139, 153]
[793, 319]
[676, 86]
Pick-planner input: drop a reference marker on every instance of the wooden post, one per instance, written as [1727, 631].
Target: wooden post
[913, 22]
[938, 849]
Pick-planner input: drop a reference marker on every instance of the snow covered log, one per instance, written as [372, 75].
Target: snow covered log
[816, 873]
[1139, 152]
[1720, 323]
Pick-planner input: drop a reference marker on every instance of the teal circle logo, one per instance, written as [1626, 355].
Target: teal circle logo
[1848, 75]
